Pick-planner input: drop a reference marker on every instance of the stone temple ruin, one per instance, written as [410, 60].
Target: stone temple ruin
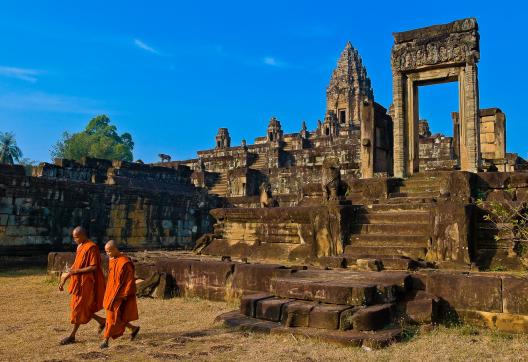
[337, 232]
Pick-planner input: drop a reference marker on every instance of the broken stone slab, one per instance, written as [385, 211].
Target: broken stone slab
[165, 287]
[147, 287]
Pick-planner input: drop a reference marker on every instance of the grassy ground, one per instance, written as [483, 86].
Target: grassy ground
[34, 317]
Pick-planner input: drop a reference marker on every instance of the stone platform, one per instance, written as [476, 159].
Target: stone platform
[495, 300]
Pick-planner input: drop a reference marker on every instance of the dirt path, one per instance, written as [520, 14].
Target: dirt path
[34, 317]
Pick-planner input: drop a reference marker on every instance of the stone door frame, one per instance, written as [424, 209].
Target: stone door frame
[433, 55]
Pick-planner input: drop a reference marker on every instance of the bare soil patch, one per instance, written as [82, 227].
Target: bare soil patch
[34, 317]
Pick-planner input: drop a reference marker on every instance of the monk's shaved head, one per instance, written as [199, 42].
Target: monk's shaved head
[111, 249]
[79, 230]
[79, 234]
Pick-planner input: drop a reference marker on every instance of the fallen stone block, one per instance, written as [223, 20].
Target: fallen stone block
[422, 308]
[326, 316]
[335, 262]
[248, 303]
[345, 318]
[271, 309]
[165, 287]
[368, 264]
[372, 318]
[297, 314]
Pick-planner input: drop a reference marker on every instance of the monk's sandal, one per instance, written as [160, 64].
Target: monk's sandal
[67, 340]
[134, 334]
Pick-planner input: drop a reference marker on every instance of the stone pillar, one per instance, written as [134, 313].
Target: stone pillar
[411, 108]
[456, 136]
[367, 138]
[469, 120]
[399, 149]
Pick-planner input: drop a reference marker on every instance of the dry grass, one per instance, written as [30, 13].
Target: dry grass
[34, 317]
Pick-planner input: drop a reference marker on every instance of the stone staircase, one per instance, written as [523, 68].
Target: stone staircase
[395, 231]
[344, 307]
[220, 185]
[260, 163]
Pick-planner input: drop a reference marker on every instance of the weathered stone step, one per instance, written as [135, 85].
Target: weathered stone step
[410, 200]
[417, 194]
[333, 292]
[336, 287]
[380, 251]
[372, 217]
[422, 182]
[386, 262]
[301, 313]
[376, 339]
[409, 228]
[388, 240]
[395, 207]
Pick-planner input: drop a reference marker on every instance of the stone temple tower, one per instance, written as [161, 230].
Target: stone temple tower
[348, 87]
[223, 140]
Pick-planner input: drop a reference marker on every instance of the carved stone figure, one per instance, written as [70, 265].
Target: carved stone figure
[331, 181]
[266, 199]
[164, 157]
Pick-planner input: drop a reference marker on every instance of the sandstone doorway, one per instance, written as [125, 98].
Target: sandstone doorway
[437, 54]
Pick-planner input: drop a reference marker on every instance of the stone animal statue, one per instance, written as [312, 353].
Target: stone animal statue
[331, 183]
[202, 242]
[266, 200]
[164, 157]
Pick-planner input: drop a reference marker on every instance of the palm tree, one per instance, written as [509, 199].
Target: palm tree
[9, 151]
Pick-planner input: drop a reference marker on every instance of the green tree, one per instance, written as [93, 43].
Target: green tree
[9, 151]
[99, 139]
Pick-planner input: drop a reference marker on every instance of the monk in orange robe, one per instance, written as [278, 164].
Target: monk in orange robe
[87, 284]
[120, 296]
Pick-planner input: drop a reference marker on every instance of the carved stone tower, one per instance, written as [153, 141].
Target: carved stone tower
[330, 126]
[223, 140]
[274, 130]
[348, 86]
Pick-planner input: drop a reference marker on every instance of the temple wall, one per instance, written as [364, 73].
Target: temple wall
[139, 206]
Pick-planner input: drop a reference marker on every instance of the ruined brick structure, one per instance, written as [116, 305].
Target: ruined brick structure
[138, 205]
[383, 211]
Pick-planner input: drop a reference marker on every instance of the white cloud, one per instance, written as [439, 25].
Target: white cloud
[274, 62]
[142, 45]
[40, 101]
[29, 75]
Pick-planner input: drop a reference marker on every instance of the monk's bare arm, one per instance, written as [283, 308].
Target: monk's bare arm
[88, 269]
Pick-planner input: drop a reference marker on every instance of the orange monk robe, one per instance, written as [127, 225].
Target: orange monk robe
[120, 296]
[86, 289]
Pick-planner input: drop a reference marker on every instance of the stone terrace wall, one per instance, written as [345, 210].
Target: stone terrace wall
[508, 188]
[494, 300]
[137, 205]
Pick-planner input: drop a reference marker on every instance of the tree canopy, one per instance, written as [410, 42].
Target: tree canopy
[9, 151]
[99, 139]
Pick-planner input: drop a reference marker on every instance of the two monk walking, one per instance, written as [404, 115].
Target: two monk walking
[89, 294]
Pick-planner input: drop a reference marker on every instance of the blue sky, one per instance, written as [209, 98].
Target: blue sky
[171, 73]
